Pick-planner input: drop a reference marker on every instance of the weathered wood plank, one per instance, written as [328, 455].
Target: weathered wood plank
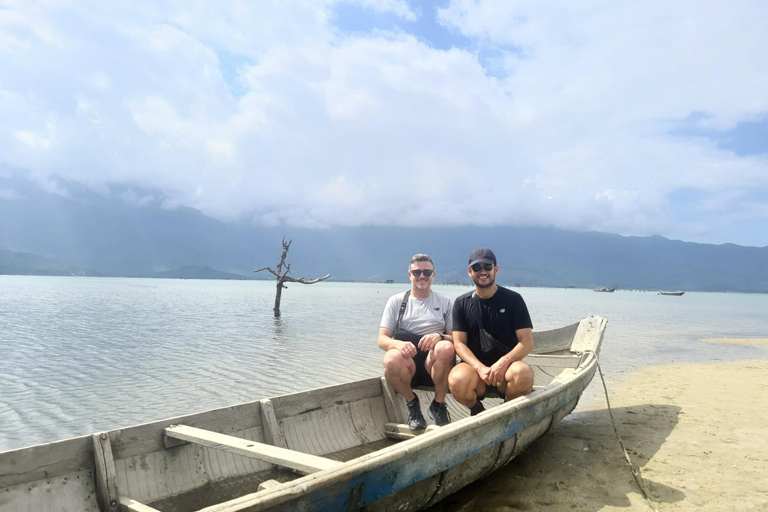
[46, 461]
[273, 434]
[148, 437]
[402, 431]
[554, 340]
[303, 462]
[391, 402]
[589, 333]
[367, 417]
[106, 476]
[558, 361]
[298, 403]
[268, 484]
[129, 505]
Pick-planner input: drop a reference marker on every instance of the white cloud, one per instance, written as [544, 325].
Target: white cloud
[9, 194]
[268, 112]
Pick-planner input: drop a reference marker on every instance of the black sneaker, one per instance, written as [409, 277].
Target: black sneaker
[416, 420]
[477, 408]
[439, 412]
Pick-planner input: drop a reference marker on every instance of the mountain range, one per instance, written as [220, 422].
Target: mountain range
[68, 229]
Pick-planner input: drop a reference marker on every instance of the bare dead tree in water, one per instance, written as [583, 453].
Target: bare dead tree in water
[283, 269]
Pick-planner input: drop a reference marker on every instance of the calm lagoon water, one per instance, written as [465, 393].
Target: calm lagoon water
[80, 355]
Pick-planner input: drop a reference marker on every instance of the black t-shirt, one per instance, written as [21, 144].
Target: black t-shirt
[503, 314]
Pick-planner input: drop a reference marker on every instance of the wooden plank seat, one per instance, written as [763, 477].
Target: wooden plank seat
[129, 505]
[302, 462]
[401, 431]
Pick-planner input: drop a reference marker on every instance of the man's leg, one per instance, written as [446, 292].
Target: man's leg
[519, 380]
[465, 384]
[399, 370]
[439, 363]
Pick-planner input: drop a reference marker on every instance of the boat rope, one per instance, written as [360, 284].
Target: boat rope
[635, 470]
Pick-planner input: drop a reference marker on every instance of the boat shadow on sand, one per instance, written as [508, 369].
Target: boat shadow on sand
[579, 466]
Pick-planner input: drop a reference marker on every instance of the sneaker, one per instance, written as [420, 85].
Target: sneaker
[439, 412]
[477, 408]
[416, 420]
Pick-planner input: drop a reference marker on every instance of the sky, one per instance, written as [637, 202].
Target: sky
[637, 118]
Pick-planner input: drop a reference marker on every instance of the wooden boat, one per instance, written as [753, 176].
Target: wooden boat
[342, 447]
[671, 293]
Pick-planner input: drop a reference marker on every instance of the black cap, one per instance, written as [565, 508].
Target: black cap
[482, 255]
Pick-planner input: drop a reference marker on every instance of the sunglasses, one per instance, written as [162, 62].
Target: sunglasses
[417, 273]
[477, 267]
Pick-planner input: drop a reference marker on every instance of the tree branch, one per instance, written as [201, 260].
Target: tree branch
[270, 270]
[304, 281]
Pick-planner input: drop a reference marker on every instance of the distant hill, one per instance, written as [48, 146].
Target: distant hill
[85, 233]
[24, 263]
[198, 272]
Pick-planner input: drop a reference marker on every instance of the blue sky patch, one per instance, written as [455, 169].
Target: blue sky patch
[355, 18]
[229, 65]
[746, 139]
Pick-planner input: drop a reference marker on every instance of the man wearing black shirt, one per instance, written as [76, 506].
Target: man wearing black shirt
[492, 333]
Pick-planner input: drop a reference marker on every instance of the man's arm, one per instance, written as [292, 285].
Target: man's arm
[386, 342]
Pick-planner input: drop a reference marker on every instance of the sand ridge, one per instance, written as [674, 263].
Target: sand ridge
[758, 342]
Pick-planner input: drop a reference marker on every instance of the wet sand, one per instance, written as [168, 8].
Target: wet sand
[697, 432]
[760, 342]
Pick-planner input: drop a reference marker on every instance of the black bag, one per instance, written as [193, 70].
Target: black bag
[403, 335]
[487, 342]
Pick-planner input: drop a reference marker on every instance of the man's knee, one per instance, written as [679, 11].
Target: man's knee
[459, 380]
[393, 360]
[444, 352]
[521, 375]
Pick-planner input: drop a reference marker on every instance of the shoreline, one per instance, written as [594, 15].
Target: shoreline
[696, 431]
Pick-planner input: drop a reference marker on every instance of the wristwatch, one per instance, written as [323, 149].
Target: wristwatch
[442, 336]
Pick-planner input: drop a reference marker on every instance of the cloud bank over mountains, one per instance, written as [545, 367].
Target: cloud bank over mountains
[629, 118]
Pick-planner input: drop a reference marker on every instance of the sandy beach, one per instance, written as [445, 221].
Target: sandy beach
[697, 432]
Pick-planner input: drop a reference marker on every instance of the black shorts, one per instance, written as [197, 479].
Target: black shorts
[422, 376]
[491, 392]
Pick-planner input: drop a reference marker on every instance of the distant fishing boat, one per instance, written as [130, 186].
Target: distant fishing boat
[606, 290]
[671, 293]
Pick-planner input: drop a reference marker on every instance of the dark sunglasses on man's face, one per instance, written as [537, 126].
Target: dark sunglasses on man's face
[417, 273]
[482, 266]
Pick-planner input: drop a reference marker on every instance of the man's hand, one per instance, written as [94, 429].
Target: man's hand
[428, 341]
[406, 348]
[498, 369]
[484, 372]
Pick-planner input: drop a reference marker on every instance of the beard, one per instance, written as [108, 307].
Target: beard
[423, 285]
[491, 281]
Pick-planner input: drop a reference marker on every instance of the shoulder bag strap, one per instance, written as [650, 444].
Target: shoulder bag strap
[402, 309]
[479, 312]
